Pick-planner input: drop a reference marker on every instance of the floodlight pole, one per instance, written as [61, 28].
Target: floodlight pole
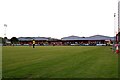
[118, 19]
[117, 35]
[5, 30]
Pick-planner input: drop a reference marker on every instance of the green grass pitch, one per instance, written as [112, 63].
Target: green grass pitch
[59, 62]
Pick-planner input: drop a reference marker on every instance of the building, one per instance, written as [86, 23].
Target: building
[28, 40]
[70, 40]
[92, 40]
[39, 41]
[55, 42]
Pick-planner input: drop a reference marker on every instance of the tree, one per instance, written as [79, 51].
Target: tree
[119, 37]
[14, 40]
[4, 40]
[1, 40]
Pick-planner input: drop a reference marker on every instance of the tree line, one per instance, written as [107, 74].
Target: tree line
[5, 40]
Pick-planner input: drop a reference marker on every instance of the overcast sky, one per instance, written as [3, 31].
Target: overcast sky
[57, 18]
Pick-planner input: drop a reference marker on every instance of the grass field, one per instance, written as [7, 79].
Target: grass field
[59, 62]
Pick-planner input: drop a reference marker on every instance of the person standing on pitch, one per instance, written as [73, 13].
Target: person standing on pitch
[33, 43]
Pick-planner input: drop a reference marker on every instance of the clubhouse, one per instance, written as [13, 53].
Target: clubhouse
[70, 40]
